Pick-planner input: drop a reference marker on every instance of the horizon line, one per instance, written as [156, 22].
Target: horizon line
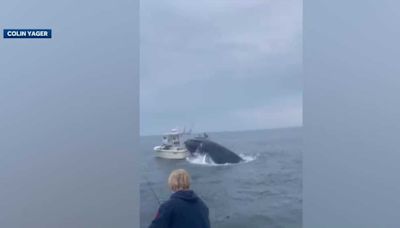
[227, 131]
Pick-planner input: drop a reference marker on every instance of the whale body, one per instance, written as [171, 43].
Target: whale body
[218, 153]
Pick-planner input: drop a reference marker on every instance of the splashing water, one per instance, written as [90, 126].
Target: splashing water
[200, 159]
[204, 159]
[248, 158]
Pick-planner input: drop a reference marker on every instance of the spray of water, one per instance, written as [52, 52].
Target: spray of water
[204, 159]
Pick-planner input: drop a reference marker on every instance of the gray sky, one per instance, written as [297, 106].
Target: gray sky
[220, 65]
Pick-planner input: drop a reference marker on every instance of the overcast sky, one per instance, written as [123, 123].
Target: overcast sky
[220, 65]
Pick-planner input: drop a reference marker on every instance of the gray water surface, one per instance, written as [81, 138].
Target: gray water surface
[264, 192]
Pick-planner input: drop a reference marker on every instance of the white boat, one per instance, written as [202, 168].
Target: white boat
[172, 146]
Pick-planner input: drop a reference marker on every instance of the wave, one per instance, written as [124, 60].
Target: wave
[204, 159]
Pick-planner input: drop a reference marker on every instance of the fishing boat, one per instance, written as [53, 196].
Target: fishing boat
[172, 146]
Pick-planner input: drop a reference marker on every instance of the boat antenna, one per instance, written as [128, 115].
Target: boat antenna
[152, 190]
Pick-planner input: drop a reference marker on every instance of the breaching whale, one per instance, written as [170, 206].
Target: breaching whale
[218, 153]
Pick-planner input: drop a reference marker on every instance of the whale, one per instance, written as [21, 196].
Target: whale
[218, 153]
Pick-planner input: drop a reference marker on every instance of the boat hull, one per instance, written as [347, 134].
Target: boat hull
[171, 153]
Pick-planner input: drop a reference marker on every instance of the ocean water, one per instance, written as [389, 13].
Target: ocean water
[265, 191]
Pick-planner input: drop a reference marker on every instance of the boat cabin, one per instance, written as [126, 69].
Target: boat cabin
[172, 138]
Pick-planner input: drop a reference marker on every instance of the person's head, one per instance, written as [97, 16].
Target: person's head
[179, 180]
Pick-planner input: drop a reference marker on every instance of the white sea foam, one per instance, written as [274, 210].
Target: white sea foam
[248, 158]
[204, 159]
[200, 159]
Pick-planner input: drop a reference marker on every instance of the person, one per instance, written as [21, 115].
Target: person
[184, 209]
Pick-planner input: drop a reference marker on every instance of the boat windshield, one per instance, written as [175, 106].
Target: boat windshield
[173, 139]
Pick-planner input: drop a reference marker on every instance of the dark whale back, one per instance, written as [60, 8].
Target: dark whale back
[219, 154]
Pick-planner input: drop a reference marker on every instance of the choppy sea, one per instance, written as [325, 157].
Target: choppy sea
[264, 191]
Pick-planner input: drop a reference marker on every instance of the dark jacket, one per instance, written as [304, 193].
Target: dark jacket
[184, 209]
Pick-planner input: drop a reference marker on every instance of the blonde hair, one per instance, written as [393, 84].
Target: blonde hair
[179, 180]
